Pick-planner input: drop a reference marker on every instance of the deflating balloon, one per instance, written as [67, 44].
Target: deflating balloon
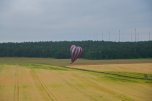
[76, 52]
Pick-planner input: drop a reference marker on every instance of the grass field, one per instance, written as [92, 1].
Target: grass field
[44, 79]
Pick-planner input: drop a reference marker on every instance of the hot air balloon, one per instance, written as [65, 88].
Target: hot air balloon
[76, 52]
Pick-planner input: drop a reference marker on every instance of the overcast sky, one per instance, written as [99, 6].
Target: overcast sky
[57, 20]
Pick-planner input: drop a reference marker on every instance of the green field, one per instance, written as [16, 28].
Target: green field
[45, 79]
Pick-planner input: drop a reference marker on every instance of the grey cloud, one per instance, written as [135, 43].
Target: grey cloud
[33, 20]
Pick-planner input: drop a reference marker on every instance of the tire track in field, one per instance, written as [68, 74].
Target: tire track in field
[119, 96]
[79, 89]
[16, 86]
[99, 87]
[43, 86]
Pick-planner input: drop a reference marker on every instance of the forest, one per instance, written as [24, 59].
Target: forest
[91, 49]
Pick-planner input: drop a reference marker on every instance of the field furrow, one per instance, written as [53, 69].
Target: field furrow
[43, 87]
[16, 86]
[101, 89]
[79, 89]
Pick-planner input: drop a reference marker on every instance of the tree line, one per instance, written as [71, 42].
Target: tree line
[91, 49]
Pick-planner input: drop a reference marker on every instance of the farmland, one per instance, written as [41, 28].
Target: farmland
[44, 79]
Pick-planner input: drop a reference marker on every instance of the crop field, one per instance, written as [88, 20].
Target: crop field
[44, 79]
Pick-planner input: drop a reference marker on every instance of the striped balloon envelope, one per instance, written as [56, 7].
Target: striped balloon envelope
[76, 52]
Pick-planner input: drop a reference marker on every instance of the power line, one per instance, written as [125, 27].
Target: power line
[119, 35]
[131, 37]
[149, 36]
[135, 35]
[109, 36]
[102, 36]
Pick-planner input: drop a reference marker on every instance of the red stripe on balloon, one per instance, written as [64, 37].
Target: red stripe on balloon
[75, 53]
[72, 48]
[80, 52]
